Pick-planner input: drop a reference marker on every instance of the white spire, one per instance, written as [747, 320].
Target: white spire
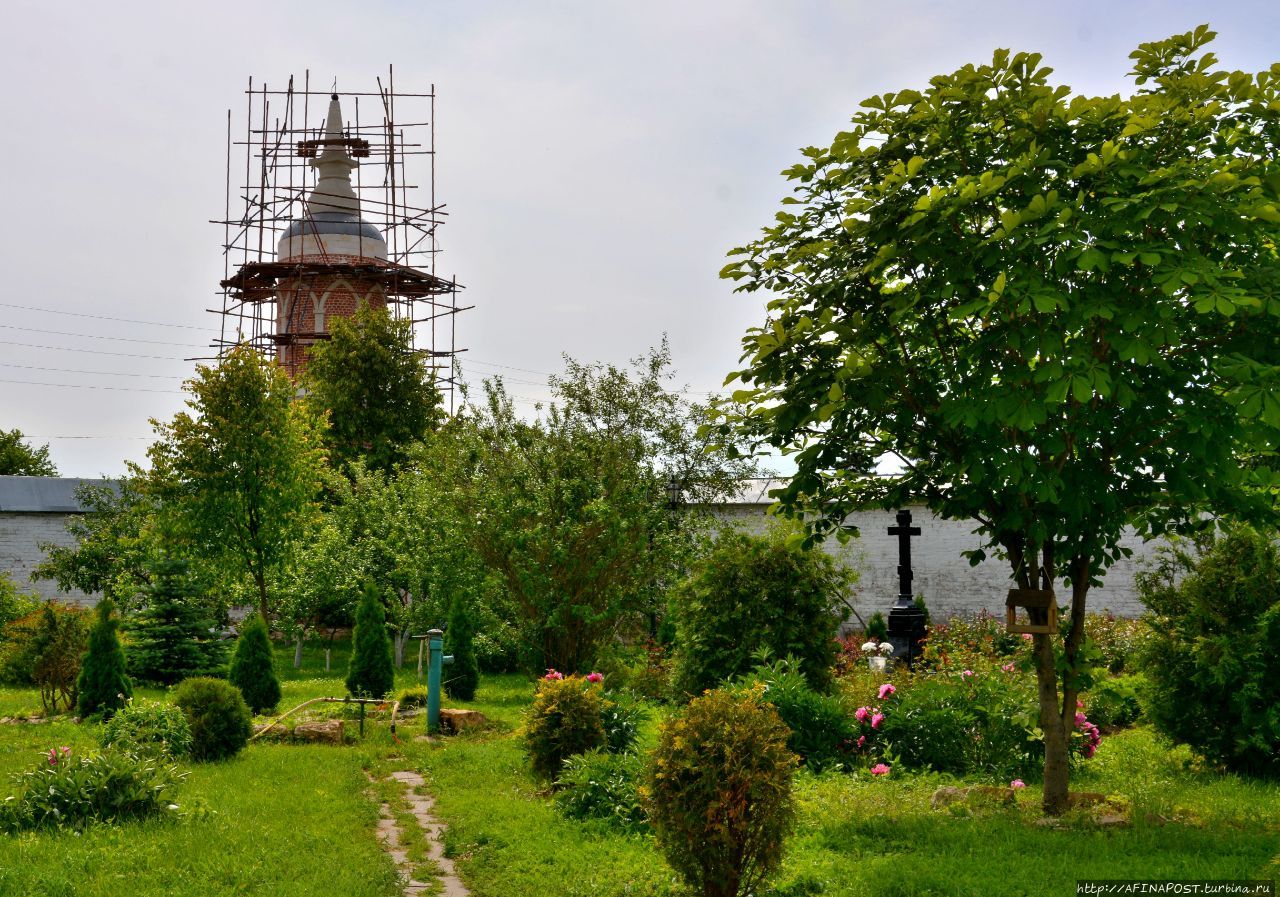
[333, 192]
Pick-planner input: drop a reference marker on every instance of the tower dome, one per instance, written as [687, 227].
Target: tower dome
[330, 228]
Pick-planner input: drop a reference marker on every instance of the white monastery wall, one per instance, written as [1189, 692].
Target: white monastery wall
[21, 534]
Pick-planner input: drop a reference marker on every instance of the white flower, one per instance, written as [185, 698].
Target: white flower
[886, 649]
[869, 646]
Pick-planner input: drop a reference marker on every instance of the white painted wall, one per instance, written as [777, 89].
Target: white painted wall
[21, 534]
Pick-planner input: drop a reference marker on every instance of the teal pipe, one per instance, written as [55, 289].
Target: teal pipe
[437, 659]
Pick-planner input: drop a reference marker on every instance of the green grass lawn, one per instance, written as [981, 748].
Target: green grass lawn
[286, 820]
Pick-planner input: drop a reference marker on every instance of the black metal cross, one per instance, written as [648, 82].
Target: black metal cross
[904, 531]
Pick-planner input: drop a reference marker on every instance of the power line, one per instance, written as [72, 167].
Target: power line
[4, 342]
[176, 392]
[122, 339]
[32, 367]
[80, 314]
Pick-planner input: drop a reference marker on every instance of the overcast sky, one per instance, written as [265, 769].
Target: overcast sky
[598, 159]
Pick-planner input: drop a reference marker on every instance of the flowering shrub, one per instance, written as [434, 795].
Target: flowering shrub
[718, 792]
[148, 727]
[599, 785]
[1114, 703]
[566, 719]
[67, 791]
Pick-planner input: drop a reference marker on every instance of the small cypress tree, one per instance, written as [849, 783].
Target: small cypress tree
[371, 673]
[171, 638]
[253, 668]
[103, 686]
[464, 677]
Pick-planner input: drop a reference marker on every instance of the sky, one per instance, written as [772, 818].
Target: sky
[598, 160]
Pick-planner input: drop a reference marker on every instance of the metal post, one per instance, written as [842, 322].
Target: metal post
[435, 645]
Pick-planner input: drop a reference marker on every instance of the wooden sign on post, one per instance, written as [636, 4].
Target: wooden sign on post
[1033, 601]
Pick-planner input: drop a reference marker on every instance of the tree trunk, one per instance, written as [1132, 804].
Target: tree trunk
[263, 606]
[402, 635]
[297, 651]
[326, 660]
[1056, 769]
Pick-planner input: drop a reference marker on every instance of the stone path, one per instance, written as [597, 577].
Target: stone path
[389, 831]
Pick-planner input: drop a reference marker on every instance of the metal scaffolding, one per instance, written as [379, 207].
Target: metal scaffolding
[268, 179]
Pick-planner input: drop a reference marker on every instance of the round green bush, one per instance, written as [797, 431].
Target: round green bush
[253, 669]
[603, 786]
[219, 718]
[718, 792]
[463, 677]
[751, 593]
[1213, 661]
[148, 727]
[566, 719]
[822, 734]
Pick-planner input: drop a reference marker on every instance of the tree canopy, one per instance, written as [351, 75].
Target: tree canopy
[378, 393]
[238, 476]
[19, 459]
[1059, 313]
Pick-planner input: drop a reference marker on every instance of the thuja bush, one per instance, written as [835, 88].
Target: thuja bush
[718, 792]
[103, 686]
[219, 718]
[566, 719]
[464, 677]
[750, 593]
[67, 791]
[253, 669]
[371, 673]
[1214, 656]
[148, 727]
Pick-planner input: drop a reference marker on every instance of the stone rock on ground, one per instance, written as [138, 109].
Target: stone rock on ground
[455, 721]
[329, 731]
[973, 794]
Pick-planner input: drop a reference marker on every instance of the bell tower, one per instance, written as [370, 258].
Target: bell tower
[345, 234]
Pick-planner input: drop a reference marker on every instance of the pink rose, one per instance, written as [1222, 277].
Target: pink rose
[1026, 636]
[877, 720]
[861, 714]
[880, 769]
[1008, 667]
[553, 675]
[595, 677]
[862, 740]
[966, 674]
[886, 690]
[1017, 783]
[1080, 720]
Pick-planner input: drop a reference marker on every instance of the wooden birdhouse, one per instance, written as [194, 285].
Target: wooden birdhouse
[1041, 611]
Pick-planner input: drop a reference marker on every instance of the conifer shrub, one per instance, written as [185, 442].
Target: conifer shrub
[148, 727]
[1213, 660]
[66, 791]
[566, 719]
[217, 714]
[103, 685]
[750, 593]
[459, 640]
[371, 673]
[253, 668]
[718, 792]
[171, 639]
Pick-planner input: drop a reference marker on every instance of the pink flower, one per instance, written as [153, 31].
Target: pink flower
[886, 690]
[1017, 783]
[553, 675]
[57, 753]
[1089, 750]
[595, 677]
[1008, 667]
[1079, 704]
[966, 674]
[862, 713]
[862, 740]
[877, 720]
[1080, 720]
[880, 769]
[1026, 636]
